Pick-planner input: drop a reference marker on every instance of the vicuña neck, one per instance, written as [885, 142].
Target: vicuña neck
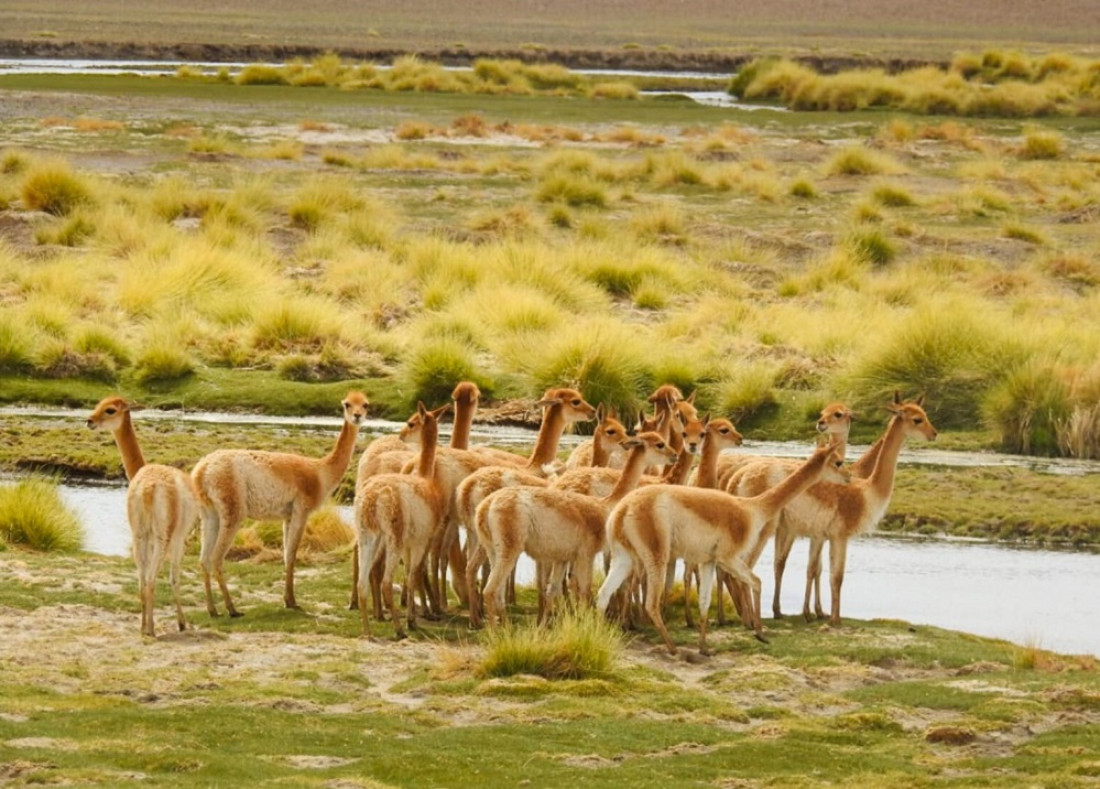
[336, 462]
[429, 438]
[882, 477]
[126, 440]
[601, 453]
[776, 498]
[706, 476]
[631, 476]
[464, 419]
[546, 445]
[678, 472]
[865, 466]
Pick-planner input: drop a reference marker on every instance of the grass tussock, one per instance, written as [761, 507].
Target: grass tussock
[574, 190]
[858, 160]
[431, 370]
[576, 645]
[748, 393]
[1027, 407]
[996, 84]
[52, 186]
[608, 362]
[296, 323]
[1042, 145]
[163, 360]
[33, 514]
[952, 351]
[892, 196]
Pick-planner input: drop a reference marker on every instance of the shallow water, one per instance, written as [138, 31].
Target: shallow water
[710, 98]
[1032, 597]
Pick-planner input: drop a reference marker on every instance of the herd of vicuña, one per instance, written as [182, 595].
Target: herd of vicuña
[627, 501]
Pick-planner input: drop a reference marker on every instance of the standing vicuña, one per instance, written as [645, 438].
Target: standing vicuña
[398, 514]
[556, 527]
[839, 512]
[235, 484]
[709, 528]
[161, 506]
[561, 407]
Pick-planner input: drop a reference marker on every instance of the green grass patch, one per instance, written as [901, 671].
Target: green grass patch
[576, 645]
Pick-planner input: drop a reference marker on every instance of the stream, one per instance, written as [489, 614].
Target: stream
[710, 98]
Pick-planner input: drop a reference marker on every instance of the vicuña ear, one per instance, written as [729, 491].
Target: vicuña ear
[546, 402]
[919, 401]
[443, 409]
[421, 410]
[600, 413]
[897, 397]
[690, 398]
[631, 443]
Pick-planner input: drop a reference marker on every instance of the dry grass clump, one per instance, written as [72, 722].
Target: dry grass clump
[430, 370]
[15, 345]
[954, 349]
[212, 145]
[746, 391]
[216, 282]
[296, 323]
[858, 160]
[323, 200]
[14, 161]
[411, 73]
[1042, 144]
[607, 360]
[1022, 233]
[871, 246]
[1077, 270]
[672, 168]
[283, 150]
[892, 196]
[261, 74]
[414, 130]
[1027, 407]
[326, 531]
[802, 188]
[52, 186]
[572, 189]
[32, 513]
[517, 220]
[163, 358]
[997, 84]
[543, 133]
[664, 222]
[631, 135]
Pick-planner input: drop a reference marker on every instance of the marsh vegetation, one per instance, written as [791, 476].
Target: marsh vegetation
[640, 242]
